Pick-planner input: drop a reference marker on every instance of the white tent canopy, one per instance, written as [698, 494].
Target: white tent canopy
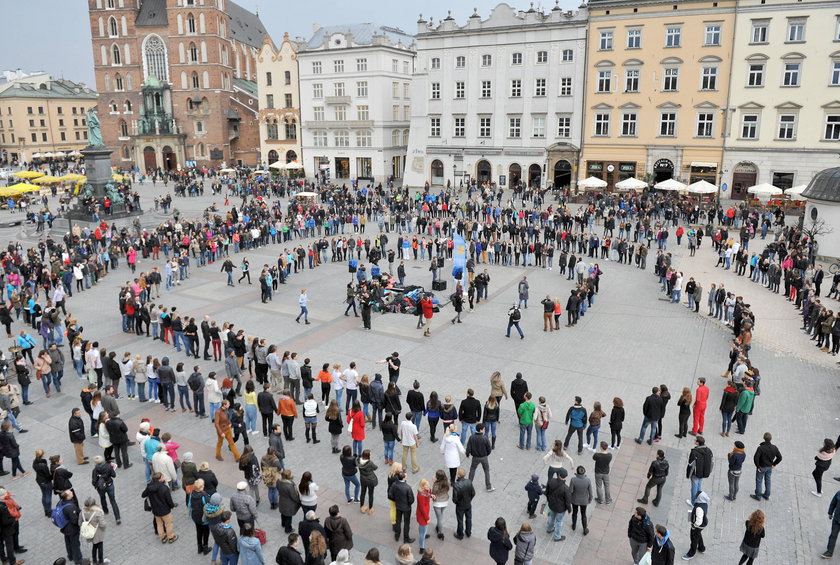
[670, 184]
[631, 184]
[701, 187]
[592, 182]
[277, 165]
[292, 166]
[795, 193]
[765, 189]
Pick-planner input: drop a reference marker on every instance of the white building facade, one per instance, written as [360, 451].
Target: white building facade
[499, 99]
[355, 86]
[278, 88]
[784, 100]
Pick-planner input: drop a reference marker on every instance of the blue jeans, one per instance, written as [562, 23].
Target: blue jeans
[675, 295]
[592, 436]
[213, 407]
[304, 311]
[78, 365]
[153, 389]
[421, 535]
[357, 447]
[179, 337]
[645, 424]
[273, 495]
[169, 390]
[251, 417]
[525, 431]
[46, 380]
[130, 385]
[490, 429]
[555, 523]
[338, 394]
[228, 558]
[348, 480]
[466, 428]
[765, 474]
[46, 497]
[696, 487]
[416, 417]
[184, 395]
[389, 450]
[726, 425]
[540, 437]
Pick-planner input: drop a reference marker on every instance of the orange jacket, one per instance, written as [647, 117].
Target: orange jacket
[286, 406]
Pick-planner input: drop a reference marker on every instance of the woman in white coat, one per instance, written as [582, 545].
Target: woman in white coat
[453, 451]
[162, 463]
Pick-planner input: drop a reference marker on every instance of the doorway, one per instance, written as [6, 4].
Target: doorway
[663, 169]
[170, 162]
[562, 174]
[484, 173]
[534, 176]
[514, 174]
[149, 158]
[342, 167]
[744, 175]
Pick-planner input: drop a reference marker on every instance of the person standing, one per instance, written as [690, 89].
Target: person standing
[427, 307]
[479, 448]
[580, 489]
[834, 516]
[76, 427]
[728, 403]
[602, 459]
[102, 479]
[746, 399]
[160, 501]
[616, 423]
[514, 315]
[525, 411]
[224, 431]
[663, 550]
[452, 451]
[403, 496]
[576, 420]
[410, 439]
[559, 502]
[518, 388]
[469, 413]
[656, 475]
[684, 404]
[525, 542]
[67, 511]
[822, 461]
[265, 405]
[463, 493]
[303, 302]
[766, 457]
[225, 538]
[700, 464]
[92, 516]
[500, 544]
[548, 311]
[701, 397]
[641, 535]
[699, 519]
[736, 463]
[753, 534]
[424, 497]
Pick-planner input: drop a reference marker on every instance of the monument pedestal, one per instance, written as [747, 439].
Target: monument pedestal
[98, 172]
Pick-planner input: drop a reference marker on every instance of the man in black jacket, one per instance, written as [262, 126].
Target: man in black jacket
[518, 388]
[416, 403]
[462, 496]
[403, 496]
[102, 479]
[657, 474]
[70, 508]
[266, 406]
[288, 554]
[652, 410]
[701, 461]
[225, 537]
[469, 413]
[640, 533]
[205, 333]
[160, 500]
[479, 448]
[572, 306]
[167, 385]
[559, 501]
[766, 457]
[76, 427]
[118, 432]
[308, 525]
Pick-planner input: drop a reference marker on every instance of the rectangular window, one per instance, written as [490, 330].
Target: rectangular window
[673, 35]
[395, 90]
[287, 100]
[516, 58]
[435, 62]
[363, 113]
[605, 40]
[568, 55]
[406, 68]
[759, 32]
[667, 124]
[712, 36]
[516, 88]
[835, 73]
[542, 57]
[434, 127]
[269, 101]
[539, 126]
[564, 126]
[362, 89]
[539, 87]
[749, 126]
[705, 124]
[319, 139]
[515, 127]
[395, 65]
[340, 113]
[406, 113]
[338, 89]
[460, 62]
[317, 90]
[796, 31]
[268, 79]
[435, 91]
[363, 139]
[628, 124]
[791, 76]
[486, 90]
[459, 90]
[486, 60]
[484, 127]
[631, 80]
[406, 90]
[342, 139]
[338, 65]
[318, 113]
[755, 76]
[602, 125]
[566, 86]
[709, 80]
[787, 126]
[460, 127]
[316, 67]
[634, 39]
[832, 127]
[670, 82]
[604, 81]
[395, 112]
[361, 65]
[63, 136]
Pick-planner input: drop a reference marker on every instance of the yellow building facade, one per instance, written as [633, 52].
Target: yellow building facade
[657, 75]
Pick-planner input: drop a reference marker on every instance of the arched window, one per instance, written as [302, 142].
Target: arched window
[205, 79]
[184, 84]
[103, 54]
[190, 23]
[112, 106]
[118, 82]
[123, 128]
[193, 53]
[395, 137]
[199, 150]
[113, 29]
[116, 59]
[107, 81]
[201, 27]
[128, 82]
[124, 25]
[405, 137]
[127, 54]
[127, 106]
[195, 83]
[125, 154]
[203, 52]
[101, 28]
[154, 58]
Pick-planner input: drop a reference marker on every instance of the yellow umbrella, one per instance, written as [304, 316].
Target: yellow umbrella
[118, 177]
[46, 179]
[72, 176]
[28, 174]
[19, 188]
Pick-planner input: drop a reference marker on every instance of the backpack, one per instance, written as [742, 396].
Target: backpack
[516, 315]
[58, 517]
[100, 483]
[86, 530]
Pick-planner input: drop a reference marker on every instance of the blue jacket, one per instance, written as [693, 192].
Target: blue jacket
[576, 416]
[834, 507]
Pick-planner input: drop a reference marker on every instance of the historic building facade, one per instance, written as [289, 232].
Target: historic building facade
[498, 99]
[355, 89]
[656, 89]
[784, 96]
[278, 85]
[177, 81]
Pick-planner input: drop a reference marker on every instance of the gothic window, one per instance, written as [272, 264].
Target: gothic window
[154, 58]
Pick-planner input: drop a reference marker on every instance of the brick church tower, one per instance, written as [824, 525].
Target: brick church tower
[177, 81]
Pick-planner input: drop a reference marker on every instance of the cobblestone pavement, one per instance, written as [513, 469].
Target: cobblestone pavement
[628, 342]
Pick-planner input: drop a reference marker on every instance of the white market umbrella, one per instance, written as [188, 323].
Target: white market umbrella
[74, 153]
[701, 187]
[226, 171]
[60, 154]
[592, 182]
[670, 184]
[795, 193]
[631, 184]
[292, 166]
[36, 155]
[48, 154]
[277, 165]
[765, 189]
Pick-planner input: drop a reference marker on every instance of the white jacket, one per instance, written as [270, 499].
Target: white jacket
[162, 463]
[212, 391]
[452, 450]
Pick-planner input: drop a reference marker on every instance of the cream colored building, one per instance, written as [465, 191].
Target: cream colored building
[279, 94]
[39, 114]
[656, 88]
[784, 96]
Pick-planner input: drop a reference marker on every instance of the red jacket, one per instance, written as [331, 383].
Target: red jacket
[428, 307]
[358, 418]
[701, 396]
[423, 503]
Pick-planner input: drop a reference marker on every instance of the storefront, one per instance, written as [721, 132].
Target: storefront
[703, 171]
[744, 175]
[663, 169]
[611, 171]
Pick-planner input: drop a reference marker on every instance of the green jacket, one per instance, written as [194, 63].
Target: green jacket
[526, 413]
[745, 400]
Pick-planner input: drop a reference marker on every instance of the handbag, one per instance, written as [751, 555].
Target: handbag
[350, 427]
[260, 535]
[147, 506]
[544, 425]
